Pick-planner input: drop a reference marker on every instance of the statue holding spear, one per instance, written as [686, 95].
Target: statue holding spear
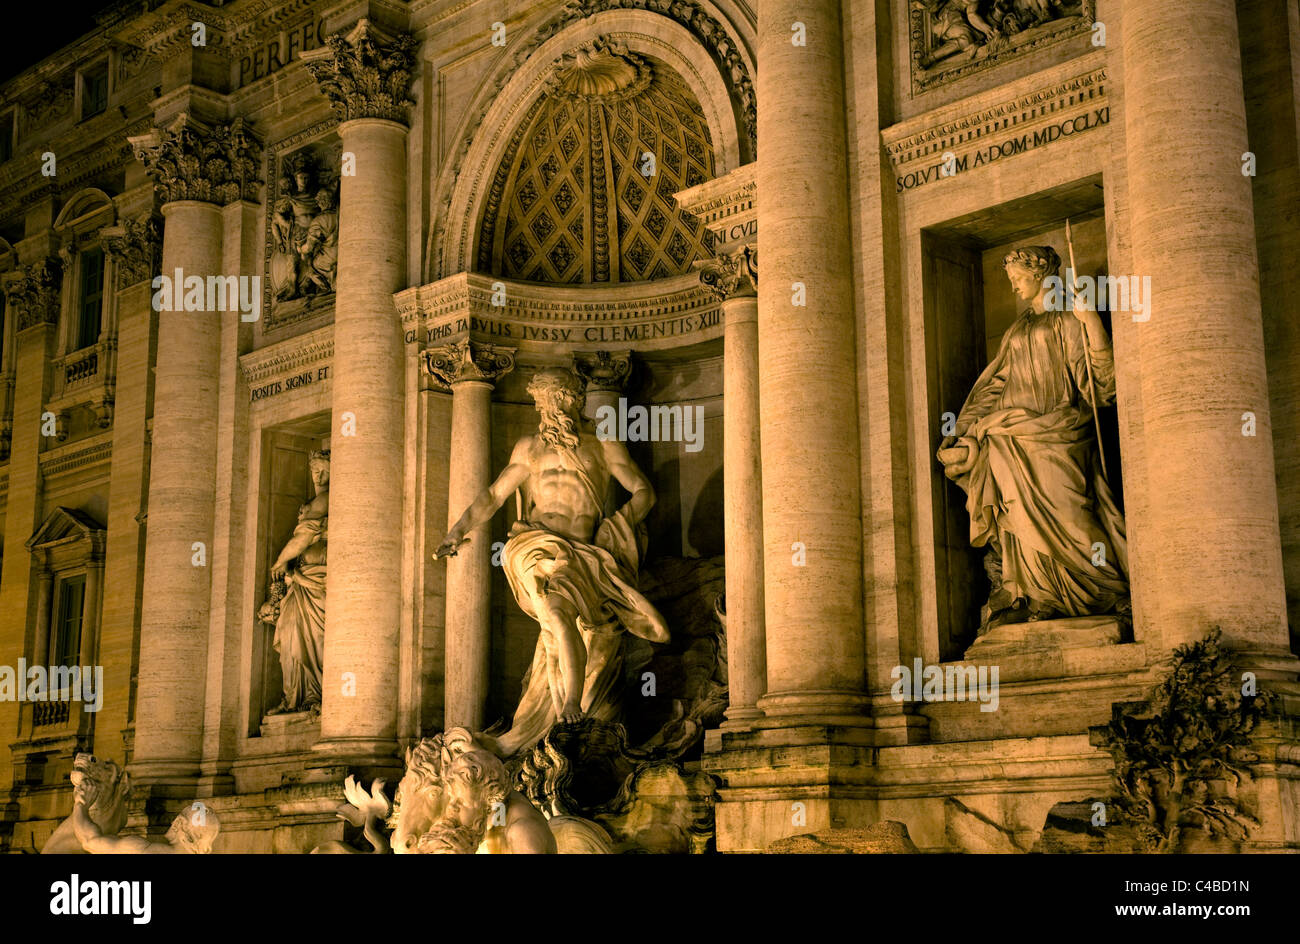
[1026, 450]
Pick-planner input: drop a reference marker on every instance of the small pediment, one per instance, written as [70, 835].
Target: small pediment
[64, 525]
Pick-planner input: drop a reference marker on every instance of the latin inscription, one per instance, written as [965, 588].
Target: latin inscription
[279, 52]
[592, 334]
[277, 387]
[994, 152]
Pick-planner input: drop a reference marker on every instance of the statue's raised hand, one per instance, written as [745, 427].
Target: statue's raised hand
[449, 546]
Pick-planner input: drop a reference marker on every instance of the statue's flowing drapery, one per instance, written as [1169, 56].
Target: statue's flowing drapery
[300, 630]
[1036, 490]
[599, 581]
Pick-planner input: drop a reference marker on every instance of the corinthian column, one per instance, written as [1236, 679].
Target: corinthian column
[365, 75]
[197, 168]
[605, 374]
[812, 516]
[1210, 517]
[470, 369]
[734, 278]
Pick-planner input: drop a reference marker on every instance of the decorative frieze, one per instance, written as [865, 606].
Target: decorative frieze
[365, 74]
[190, 160]
[974, 137]
[34, 296]
[289, 365]
[467, 360]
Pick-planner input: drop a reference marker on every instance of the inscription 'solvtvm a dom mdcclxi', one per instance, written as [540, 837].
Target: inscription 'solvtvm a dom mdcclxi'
[401, 453]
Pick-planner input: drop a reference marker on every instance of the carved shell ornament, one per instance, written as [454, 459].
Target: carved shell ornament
[600, 71]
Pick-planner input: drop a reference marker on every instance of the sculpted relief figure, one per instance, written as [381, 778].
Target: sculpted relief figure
[571, 568]
[961, 28]
[1025, 452]
[296, 601]
[304, 233]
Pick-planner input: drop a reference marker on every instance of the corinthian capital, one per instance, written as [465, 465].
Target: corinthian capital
[35, 294]
[190, 160]
[133, 247]
[469, 360]
[603, 370]
[365, 74]
[732, 273]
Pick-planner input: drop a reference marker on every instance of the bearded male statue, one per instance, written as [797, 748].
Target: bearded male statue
[571, 568]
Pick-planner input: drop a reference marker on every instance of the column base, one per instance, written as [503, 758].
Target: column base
[790, 779]
[166, 776]
[826, 706]
[742, 718]
[367, 758]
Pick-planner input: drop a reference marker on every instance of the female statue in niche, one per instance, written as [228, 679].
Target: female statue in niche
[1025, 452]
[296, 603]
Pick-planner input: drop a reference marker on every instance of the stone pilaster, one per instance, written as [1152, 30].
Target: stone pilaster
[807, 374]
[1211, 509]
[33, 299]
[127, 478]
[197, 168]
[734, 278]
[470, 369]
[365, 75]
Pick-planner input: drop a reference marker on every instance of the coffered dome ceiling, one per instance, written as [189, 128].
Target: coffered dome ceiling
[570, 201]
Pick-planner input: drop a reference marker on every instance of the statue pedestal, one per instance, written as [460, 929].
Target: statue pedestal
[291, 722]
[1013, 639]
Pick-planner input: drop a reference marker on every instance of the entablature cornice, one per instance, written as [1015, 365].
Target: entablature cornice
[288, 357]
[658, 315]
[727, 205]
[1000, 114]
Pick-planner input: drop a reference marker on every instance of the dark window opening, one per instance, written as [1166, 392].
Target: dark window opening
[92, 298]
[94, 93]
[66, 649]
[6, 136]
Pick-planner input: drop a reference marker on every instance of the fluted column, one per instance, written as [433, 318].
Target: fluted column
[812, 527]
[470, 369]
[366, 74]
[734, 278]
[1211, 513]
[198, 168]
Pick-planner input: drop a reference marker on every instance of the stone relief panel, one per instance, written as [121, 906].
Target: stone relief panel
[952, 39]
[302, 226]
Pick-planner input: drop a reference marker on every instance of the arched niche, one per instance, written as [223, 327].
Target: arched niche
[463, 184]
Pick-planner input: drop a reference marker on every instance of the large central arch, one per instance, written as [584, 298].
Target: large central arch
[463, 184]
